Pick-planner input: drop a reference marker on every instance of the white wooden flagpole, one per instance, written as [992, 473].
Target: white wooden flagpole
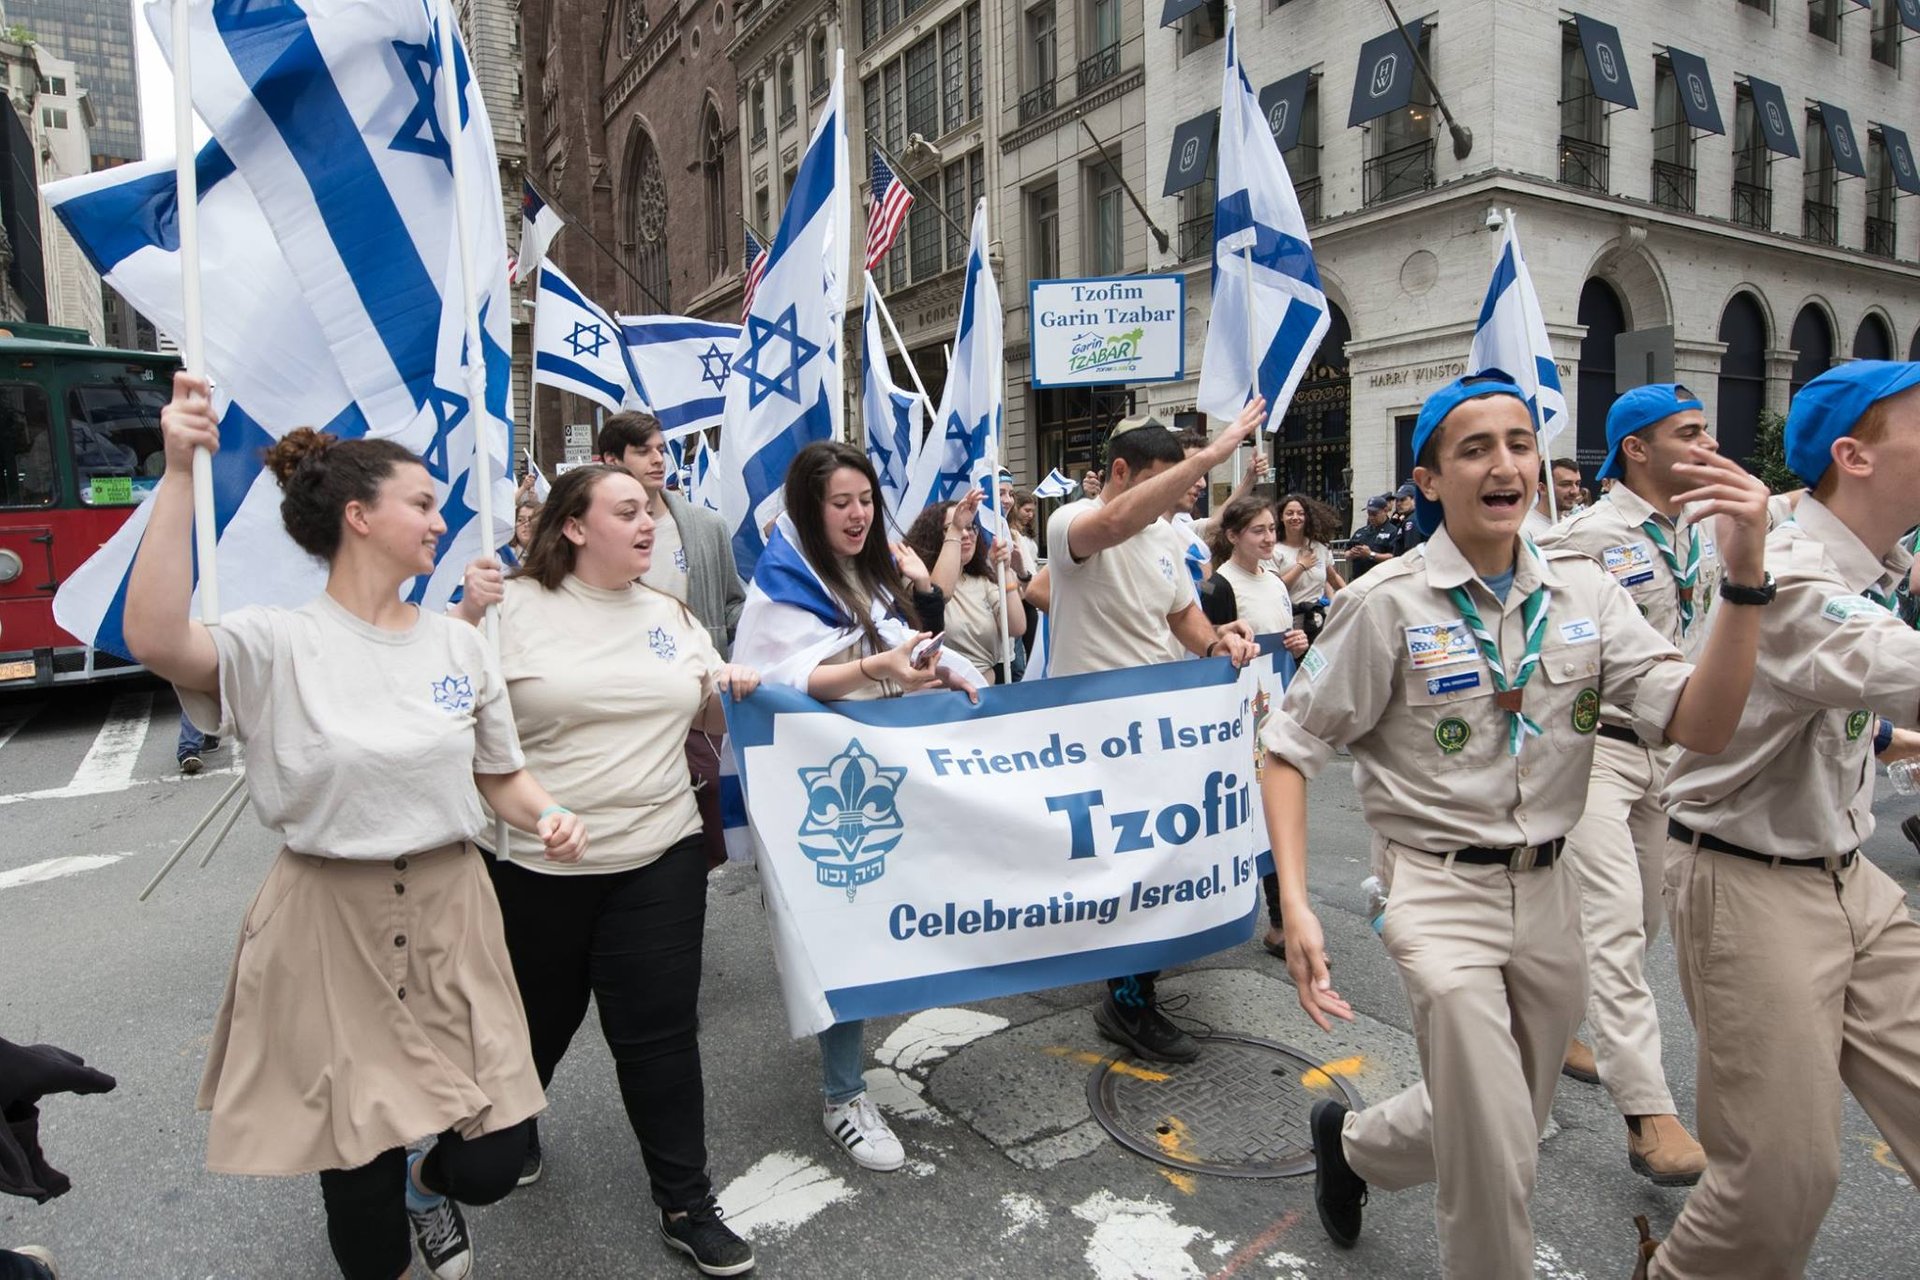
[193, 347]
[893, 331]
[1253, 358]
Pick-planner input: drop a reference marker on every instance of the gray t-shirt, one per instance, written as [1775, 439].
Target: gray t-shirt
[361, 742]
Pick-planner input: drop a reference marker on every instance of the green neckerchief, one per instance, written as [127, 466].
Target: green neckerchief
[1507, 695]
[1683, 578]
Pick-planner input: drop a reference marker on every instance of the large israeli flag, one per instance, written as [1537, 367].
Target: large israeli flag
[786, 381]
[682, 366]
[577, 346]
[1269, 311]
[959, 452]
[330, 112]
[892, 417]
[1512, 336]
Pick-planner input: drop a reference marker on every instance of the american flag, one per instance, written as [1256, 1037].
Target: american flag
[888, 214]
[756, 261]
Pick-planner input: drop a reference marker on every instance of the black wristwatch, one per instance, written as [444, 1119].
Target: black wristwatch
[1734, 593]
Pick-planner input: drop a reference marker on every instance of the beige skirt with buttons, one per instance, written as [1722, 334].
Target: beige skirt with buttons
[370, 1005]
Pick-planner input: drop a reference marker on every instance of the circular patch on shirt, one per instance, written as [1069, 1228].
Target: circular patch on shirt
[1452, 734]
[1857, 724]
[1586, 711]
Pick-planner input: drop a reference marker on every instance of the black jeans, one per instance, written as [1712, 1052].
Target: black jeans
[631, 940]
[367, 1207]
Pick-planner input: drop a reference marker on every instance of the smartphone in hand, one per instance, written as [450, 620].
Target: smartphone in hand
[927, 652]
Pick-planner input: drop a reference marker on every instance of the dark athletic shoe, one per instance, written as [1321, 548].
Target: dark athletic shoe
[530, 1162]
[1911, 829]
[1338, 1192]
[190, 764]
[441, 1233]
[712, 1245]
[1147, 1032]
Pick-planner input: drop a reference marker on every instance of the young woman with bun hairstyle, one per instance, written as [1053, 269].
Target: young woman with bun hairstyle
[371, 1004]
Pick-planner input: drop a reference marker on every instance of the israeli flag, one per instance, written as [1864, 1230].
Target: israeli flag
[542, 488]
[681, 366]
[125, 220]
[577, 346]
[959, 452]
[330, 114]
[705, 489]
[1057, 485]
[786, 380]
[1512, 336]
[1269, 311]
[894, 418]
[540, 222]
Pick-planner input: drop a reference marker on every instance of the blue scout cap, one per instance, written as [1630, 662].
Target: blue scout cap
[1407, 490]
[1637, 410]
[1475, 386]
[1379, 502]
[1828, 408]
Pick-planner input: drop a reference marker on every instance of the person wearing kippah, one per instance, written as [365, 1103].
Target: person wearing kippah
[1466, 683]
[1799, 958]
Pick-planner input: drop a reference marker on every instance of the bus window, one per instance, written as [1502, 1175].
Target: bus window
[26, 446]
[117, 451]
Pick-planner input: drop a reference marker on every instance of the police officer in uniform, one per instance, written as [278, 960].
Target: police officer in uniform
[1467, 682]
[1669, 564]
[1375, 542]
[1799, 959]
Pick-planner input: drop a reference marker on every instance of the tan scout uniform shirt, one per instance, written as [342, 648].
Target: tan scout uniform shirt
[1830, 659]
[1397, 679]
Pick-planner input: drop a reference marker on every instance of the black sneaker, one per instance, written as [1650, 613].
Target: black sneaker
[530, 1162]
[441, 1233]
[1146, 1031]
[1911, 829]
[1338, 1192]
[712, 1245]
[211, 745]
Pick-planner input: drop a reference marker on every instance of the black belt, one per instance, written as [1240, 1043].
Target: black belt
[1618, 734]
[1686, 835]
[1520, 857]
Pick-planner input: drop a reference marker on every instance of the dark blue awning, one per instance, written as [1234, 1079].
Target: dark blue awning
[1174, 10]
[1900, 153]
[1383, 81]
[1910, 14]
[1697, 100]
[1846, 152]
[1606, 61]
[1284, 103]
[1192, 152]
[1776, 126]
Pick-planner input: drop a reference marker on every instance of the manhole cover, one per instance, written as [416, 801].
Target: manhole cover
[1239, 1111]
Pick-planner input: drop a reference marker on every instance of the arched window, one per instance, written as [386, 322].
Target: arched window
[1606, 319]
[1874, 341]
[1743, 375]
[713, 177]
[647, 228]
[1812, 347]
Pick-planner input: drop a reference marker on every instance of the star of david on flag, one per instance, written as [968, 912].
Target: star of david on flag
[574, 347]
[892, 416]
[682, 366]
[1512, 335]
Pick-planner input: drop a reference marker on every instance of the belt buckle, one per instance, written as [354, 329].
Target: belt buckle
[1523, 857]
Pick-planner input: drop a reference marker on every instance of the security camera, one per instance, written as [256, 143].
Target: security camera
[1495, 219]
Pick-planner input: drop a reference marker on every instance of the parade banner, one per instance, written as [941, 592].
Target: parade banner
[923, 851]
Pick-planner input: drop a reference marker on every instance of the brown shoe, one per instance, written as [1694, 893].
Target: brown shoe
[1661, 1149]
[1644, 1251]
[1579, 1063]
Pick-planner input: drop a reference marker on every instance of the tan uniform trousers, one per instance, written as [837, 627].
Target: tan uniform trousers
[1801, 982]
[1617, 853]
[1495, 975]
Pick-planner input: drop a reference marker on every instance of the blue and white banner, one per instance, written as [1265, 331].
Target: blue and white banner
[1512, 337]
[893, 417]
[1058, 484]
[1124, 820]
[577, 346]
[961, 449]
[682, 366]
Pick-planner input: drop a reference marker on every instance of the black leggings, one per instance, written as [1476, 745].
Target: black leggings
[631, 940]
[367, 1207]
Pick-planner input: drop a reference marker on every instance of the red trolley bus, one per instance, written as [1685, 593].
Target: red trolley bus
[79, 445]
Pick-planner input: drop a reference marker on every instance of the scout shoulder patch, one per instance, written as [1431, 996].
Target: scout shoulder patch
[1630, 563]
[1440, 644]
[1313, 664]
[1857, 724]
[1586, 710]
[1452, 734]
[1840, 608]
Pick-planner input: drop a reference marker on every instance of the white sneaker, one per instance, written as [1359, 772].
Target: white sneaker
[858, 1127]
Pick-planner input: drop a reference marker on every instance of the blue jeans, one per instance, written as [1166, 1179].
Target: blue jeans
[16, 1266]
[192, 741]
[841, 1050]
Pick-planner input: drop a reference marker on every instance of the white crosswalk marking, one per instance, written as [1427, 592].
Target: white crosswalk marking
[12, 718]
[116, 748]
[112, 759]
[54, 868]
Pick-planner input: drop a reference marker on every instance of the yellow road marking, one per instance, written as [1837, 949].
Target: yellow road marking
[1095, 1059]
[1172, 1139]
[1321, 1077]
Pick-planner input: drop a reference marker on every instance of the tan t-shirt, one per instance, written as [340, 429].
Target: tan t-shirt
[973, 621]
[1797, 779]
[361, 743]
[1397, 678]
[1312, 583]
[1110, 610]
[605, 685]
[668, 572]
[1260, 599]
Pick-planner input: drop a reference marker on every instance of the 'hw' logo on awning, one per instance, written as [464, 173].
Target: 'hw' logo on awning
[852, 820]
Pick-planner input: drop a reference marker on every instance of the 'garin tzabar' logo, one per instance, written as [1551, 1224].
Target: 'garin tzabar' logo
[852, 822]
[454, 693]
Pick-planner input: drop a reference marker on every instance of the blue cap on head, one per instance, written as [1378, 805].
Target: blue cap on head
[1407, 490]
[1427, 514]
[1637, 410]
[1379, 502]
[1828, 408]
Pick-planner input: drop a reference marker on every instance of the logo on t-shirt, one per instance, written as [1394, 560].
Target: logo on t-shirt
[1166, 568]
[454, 693]
[680, 559]
[662, 644]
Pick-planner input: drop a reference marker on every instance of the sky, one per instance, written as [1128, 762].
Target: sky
[156, 91]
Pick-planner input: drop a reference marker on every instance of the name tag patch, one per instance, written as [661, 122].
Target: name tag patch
[1630, 564]
[1840, 608]
[1313, 664]
[1579, 631]
[1453, 683]
[1440, 644]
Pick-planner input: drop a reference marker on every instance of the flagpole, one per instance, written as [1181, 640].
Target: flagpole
[1003, 531]
[193, 348]
[887, 317]
[1253, 357]
[842, 179]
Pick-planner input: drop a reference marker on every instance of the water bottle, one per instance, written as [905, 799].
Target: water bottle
[1376, 902]
[1904, 777]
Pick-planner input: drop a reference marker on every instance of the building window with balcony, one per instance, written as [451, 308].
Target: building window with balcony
[819, 74]
[1820, 209]
[757, 113]
[1881, 227]
[1303, 157]
[1886, 32]
[1103, 38]
[789, 110]
[1402, 161]
[1203, 26]
[1042, 62]
[1823, 19]
[1673, 167]
[1752, 165]
[1583, 120]
[1106, 225]
[1043, 232]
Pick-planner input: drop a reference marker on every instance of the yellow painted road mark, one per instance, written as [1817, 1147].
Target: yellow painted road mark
[1321, 1077]
[1095, 1059]
[1883, 1155]
[1171, 1137]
